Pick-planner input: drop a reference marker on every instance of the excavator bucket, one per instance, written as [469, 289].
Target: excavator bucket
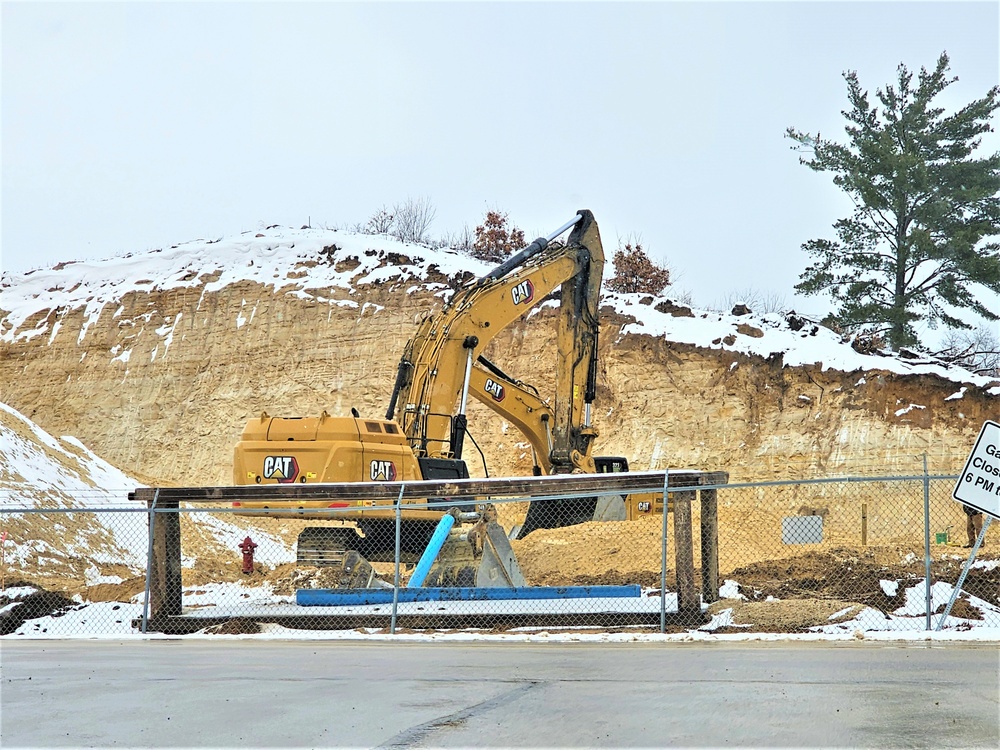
[554, 514]
[479, 556]
[498, 565]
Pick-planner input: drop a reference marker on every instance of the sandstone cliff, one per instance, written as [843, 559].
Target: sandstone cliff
[155, 361]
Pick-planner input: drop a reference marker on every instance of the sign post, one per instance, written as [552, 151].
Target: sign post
[978, 487]
[3, 561]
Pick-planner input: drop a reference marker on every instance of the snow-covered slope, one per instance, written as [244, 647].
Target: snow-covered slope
[45, 483]
[310, 262]
[157, 359]
[39, 471]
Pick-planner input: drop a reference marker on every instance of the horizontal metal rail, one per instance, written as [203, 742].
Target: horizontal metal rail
[830, 480]
[563, 485]
[640, 486]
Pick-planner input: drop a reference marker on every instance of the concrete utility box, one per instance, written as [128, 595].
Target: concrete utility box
[802, 529]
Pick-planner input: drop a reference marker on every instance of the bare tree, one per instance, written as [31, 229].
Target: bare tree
[412, 219]
[977, 349]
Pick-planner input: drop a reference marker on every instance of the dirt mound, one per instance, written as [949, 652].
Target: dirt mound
[866, 577]
[36, 604]
[115, 592]
[791, 616]
[839, 574]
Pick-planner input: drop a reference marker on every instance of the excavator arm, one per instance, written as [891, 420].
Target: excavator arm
[519, 404]
[443, 363]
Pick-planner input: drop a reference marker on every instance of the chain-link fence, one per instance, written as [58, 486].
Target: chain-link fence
[823, 556]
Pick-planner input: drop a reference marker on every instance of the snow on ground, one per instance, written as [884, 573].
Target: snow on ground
[275, 257]
[293, 261]
[39, 471]
[114, 620]
[772, 333]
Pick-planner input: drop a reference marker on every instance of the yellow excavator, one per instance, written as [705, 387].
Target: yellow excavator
[423, 433]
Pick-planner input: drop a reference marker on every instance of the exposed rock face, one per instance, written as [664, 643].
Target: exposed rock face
[163, 386]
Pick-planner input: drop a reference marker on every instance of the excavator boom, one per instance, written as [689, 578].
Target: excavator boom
[444, 362]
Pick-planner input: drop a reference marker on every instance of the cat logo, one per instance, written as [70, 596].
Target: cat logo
[523, 292]
[495, 389]
[282, 468]
[383, 471]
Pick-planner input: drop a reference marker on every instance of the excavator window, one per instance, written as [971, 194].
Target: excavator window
[373, 427]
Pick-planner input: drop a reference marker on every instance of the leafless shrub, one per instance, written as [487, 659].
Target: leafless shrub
[412, 219]
[683, 296]
[380, 222]
[461, 240]
[759, 301]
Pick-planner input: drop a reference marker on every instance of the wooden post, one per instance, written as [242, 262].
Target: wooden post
[864, 524]
[709, 545]
[165, 567]
[687, 596]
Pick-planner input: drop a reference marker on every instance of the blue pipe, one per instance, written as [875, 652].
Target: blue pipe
[430, 554]
[355, 597]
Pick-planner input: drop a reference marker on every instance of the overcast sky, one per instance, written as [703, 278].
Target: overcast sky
[130, 126]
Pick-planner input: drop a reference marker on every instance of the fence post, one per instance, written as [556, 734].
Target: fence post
[3, 561]
[165, 589]
[709, 545]
[688, 600]
[663, 555]
[927, 541]
[149, 559]
[965, 571]
[395, 580]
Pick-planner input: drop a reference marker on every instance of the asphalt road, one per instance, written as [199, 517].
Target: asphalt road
[196, 693]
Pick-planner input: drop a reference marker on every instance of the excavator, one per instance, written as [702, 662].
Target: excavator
[425, 427]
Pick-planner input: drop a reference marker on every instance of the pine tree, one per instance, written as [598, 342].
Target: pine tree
[927, 214]
[635, 272]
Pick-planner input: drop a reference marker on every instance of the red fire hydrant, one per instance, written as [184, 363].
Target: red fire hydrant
[248, 546]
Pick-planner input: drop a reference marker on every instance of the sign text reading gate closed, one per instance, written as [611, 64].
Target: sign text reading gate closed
[979, 484]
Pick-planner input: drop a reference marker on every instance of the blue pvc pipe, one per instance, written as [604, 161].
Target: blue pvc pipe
[354, 597]
[430, 554]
